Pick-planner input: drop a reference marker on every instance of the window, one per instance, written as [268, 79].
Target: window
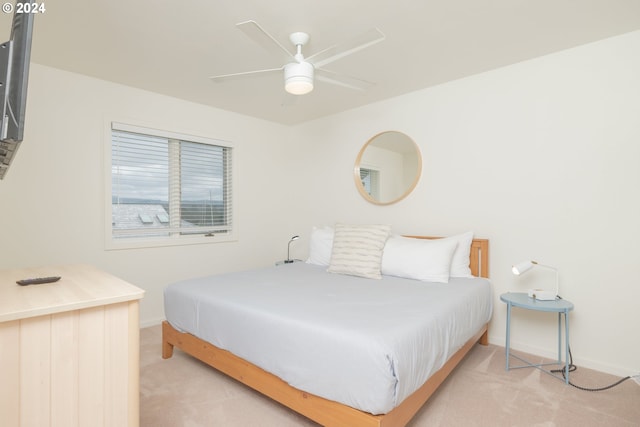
[371, 181]
[167, 187]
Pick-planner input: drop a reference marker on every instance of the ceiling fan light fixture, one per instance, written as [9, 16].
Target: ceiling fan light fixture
[298, 78]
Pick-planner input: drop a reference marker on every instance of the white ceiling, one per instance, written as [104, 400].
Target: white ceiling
[172, 47]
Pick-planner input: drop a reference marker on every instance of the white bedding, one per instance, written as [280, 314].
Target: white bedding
[365, 343]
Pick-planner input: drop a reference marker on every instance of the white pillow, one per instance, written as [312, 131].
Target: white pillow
[357, 249]
[460, 262]
[420, 259]
[320, 246]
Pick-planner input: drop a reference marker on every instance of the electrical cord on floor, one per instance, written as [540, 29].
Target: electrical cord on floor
[573, 367]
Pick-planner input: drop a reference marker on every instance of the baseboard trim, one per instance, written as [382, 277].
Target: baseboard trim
[151, 322]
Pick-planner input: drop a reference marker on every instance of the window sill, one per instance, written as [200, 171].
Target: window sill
[132, 243]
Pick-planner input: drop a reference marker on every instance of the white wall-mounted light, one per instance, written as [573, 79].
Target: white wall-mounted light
[298, 78]
[541, 294]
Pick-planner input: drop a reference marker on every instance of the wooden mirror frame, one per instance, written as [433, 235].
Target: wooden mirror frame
[407, 190]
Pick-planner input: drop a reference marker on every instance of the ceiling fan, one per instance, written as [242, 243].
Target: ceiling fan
[299, 72]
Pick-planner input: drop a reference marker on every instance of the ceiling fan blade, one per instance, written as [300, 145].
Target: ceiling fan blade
[343, 80]
[256, 33]
[224, 77]
[341, 50]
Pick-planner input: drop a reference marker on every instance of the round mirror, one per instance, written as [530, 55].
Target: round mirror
[388, 168]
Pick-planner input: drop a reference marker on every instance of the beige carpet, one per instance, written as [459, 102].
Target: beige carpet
[183, 392]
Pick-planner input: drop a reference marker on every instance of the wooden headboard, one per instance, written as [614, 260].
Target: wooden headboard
[478, 258]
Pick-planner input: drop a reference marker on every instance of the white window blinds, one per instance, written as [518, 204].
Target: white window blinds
[371, 181]
[165, 185]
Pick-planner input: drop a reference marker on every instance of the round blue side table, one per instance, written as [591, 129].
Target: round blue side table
[560, 306]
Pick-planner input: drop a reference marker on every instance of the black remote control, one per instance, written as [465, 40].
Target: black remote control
[38, 280]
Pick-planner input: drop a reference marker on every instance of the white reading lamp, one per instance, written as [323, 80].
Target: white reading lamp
[541, 294]
[289, 260]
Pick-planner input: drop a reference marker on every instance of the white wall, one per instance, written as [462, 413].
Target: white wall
[53, 201]
[541, 158]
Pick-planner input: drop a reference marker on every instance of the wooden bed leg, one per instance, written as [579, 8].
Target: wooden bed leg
[484, 339]
[167, 350]
[167, 347]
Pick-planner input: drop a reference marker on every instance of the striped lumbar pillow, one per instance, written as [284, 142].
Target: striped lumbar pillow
[357, 249]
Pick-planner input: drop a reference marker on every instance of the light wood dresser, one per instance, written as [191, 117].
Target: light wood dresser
[69, 350]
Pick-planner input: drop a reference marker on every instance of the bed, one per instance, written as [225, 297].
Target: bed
[354, 370]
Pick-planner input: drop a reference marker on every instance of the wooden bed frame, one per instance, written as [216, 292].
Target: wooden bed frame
[326, 412]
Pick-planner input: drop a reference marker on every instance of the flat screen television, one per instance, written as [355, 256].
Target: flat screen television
[15, 56]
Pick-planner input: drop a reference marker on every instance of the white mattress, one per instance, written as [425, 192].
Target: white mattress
[365, 343]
